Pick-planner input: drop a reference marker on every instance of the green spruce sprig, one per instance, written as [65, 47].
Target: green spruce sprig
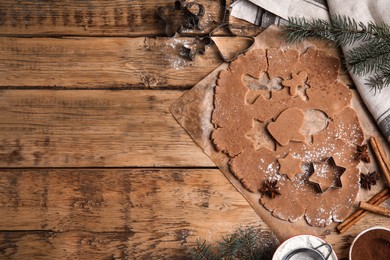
[244, 244]
[203, 251]
[371, 56]
[228, 248]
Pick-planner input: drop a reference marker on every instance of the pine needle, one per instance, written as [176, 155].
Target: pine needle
[202, 251]
[380, 79]
[228, 247]
[372, 54]
[299, 29]
[341, 30]
[245, 244]
[247, 239]
[368, 57]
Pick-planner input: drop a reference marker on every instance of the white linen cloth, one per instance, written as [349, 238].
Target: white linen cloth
[365, 11]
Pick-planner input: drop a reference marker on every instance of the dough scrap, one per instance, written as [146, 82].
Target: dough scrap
[260, 128]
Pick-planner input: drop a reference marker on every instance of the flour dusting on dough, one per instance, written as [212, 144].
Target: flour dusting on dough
[274, 104]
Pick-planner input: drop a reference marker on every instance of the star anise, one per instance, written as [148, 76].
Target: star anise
[366, 180]
[362, 153]
[270, 189]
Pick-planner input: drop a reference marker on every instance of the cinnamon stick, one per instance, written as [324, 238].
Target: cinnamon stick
[380, 155]
[362, 215]
[375, 209]
[359, 214]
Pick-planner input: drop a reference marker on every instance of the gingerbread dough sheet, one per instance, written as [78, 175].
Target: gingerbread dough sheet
[280, 113]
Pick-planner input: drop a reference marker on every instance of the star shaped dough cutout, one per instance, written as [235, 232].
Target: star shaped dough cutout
[260, 136]
[290, 166]
[326, 175]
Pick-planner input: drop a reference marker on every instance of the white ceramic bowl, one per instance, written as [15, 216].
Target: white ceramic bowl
[299, 242]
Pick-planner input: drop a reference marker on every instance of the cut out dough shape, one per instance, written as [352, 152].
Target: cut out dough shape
[290, 166]
[260, 136]
[327, 175]
[287, 125]
[298, 80]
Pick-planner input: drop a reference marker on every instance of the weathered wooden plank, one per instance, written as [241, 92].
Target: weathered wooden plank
[88, 128]
[134, 211]
[94, 17]
[138, 212]
[102, 62]
[88, 245]
[107, 245]
[109, 200]
[105, 62]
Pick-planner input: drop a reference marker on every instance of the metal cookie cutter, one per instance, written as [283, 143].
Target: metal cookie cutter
[310, 253]
[198, 46]
[182, 15]
[328, 166]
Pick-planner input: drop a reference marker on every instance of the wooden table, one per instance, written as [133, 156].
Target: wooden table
[93, 165]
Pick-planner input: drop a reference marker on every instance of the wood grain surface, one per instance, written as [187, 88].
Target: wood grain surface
[79, 128]
[132, 212]
[99, 213]
[95, 17]
[114, 63]
[102, 63]
[92, 163]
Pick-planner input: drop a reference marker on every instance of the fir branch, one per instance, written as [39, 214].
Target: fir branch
[246, 244]
[299, 29]
[371, 56]
[382, 31]
[228, 247]
[346, 31]
[380, 79]
[202, 251]
[247, 240]
[368, 57]
[341, 30]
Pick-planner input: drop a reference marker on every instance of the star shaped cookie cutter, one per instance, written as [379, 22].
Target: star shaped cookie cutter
[320, 178]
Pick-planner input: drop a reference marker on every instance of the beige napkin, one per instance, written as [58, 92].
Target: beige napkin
[365, 11]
